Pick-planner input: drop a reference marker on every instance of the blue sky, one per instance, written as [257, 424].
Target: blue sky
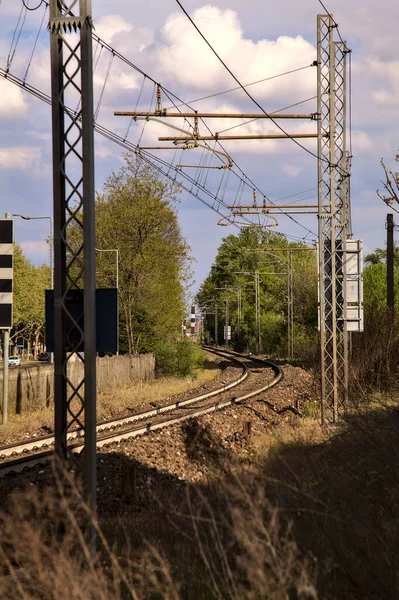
[257, 40]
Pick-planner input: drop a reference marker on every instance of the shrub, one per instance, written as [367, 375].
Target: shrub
[178, 359]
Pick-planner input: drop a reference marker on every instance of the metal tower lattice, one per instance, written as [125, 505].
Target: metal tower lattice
[74, 228]
[333, 217]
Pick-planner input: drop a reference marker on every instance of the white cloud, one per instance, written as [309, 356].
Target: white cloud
[256, 40]
[250, 60]
[361, 141]
[12, 101]
[20, 158]
[109, 25]
[291, 170]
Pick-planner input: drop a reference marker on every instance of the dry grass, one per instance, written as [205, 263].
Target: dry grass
[303, 432]
[340, 488]
[312, 513]
[246, 552]
[109, 404]
[44, 554]
[146, 393]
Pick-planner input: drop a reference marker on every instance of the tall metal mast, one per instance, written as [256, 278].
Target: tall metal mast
[333, 217]
[74, 228]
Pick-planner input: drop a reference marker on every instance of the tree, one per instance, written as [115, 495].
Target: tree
[391, 186]
[380, 256]
[238, 257]
[29, 286]
[136, 214]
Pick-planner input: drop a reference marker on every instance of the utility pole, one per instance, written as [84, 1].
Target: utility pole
[257, 311]
[290, 311]
[73, 199]
[239, 310]
[226, 328]
[333, 217]
[390, 265]
[216, 325]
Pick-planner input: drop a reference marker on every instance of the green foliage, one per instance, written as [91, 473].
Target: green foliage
[30, 283]
[273, 327]
[375, 287]
[179, 359]
[136, 215]
[380, 256]
[239, 256]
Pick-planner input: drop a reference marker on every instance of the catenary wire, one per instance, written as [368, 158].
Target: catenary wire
[112, 136]
[11, 52]
[334, 21]
[121, 57]
[275, 111]
[165, 90]
[243, 88]
[34, 8]
[36, 40]
[248, 181]
[239, 87]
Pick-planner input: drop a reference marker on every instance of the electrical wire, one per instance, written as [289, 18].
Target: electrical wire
[35, 44]
[111, 60]
[248, 181]
[135, 108]
[243, 88]
[129, 63]
[169, 93]
[11, 52]
[32, 9]
[275, 111]
[334, 21]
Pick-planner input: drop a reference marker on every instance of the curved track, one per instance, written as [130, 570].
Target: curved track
[126, 428]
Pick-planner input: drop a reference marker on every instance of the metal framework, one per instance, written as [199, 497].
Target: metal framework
[333, 217]
[290, 309]
[257, 311]
[74, 230]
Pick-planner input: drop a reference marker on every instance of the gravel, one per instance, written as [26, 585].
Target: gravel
[190, 452]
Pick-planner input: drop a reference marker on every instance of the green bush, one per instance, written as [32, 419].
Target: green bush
[178, 359]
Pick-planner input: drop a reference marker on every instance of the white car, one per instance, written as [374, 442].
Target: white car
[14, 361]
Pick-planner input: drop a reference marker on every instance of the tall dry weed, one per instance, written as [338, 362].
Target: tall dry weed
[247, 552]
[44, 554]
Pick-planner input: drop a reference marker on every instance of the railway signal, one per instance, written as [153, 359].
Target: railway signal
[6, 299]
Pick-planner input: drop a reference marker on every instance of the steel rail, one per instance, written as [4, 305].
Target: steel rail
[42, 458]
[48, 440]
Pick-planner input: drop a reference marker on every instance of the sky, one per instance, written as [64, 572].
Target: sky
[257, 40]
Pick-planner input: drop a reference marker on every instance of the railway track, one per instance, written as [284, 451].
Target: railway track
[18, 457]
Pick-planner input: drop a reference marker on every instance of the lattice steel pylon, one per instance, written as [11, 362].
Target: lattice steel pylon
[333, 218]
[74, 229]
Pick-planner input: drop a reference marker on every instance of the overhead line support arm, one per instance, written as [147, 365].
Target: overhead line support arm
[204, 115]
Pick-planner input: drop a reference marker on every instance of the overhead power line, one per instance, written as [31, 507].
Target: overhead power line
[114, 53]
[245, 86]
[334, 21]
[241, 85]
